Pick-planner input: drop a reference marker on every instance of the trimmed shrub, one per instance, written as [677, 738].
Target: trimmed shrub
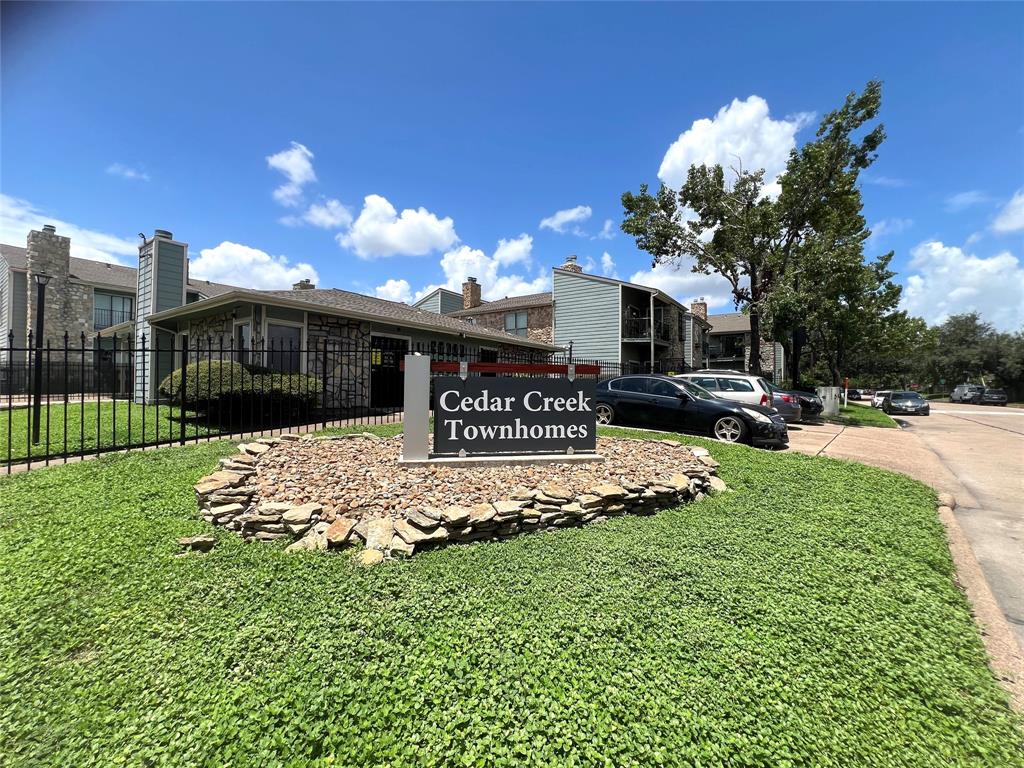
[206, 381]
[210, 384]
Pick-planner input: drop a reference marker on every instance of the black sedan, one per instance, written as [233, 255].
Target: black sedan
[905, 403]
[662, 402]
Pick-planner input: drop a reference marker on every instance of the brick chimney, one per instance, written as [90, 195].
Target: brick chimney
[470, 293]
[570, 265]
[700, 309]
[68, 307]
[303, 285]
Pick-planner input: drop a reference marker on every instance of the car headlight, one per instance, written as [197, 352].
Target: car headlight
[756, 415]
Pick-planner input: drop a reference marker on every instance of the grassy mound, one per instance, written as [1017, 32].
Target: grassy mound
[807, 618]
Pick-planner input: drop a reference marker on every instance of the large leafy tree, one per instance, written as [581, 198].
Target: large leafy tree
[732, 228]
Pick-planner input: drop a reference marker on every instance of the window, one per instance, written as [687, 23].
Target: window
[283, 344]
[515, 323]
[111, 309]
[243, 342]
[735, 385]
[663, 388]
[630, 385]
[708, 382]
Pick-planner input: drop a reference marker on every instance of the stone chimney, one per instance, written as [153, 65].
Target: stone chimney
[471, 293]
[570, 265]
[303, 285]
[699, 309]
[68, 307]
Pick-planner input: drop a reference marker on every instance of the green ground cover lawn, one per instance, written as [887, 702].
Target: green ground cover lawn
[104, 424]
[861, 416]
[808, 618]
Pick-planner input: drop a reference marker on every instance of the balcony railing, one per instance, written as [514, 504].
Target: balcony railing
[640, 328]
[104, 318]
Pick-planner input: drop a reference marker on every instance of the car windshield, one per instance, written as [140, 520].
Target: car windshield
[697, 391]
[906, 396]
[994, 392]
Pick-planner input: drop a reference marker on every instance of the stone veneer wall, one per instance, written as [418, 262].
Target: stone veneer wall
[347, 359]
[69, 304]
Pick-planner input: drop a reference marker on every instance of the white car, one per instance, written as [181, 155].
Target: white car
[876, 401]
[733, 385]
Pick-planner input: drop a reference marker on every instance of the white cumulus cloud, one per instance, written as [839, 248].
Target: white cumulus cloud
[331, 215]
[607, 231]
[742, 131]
[608, 265]
[1011, 218]
[462, 262]
[686, 286]
[18, 217]
[127, 172]
[886, 227]
[380, 231]
[946, 280]
[296, 163]
[961, 201]
[247, 267]
[560, 221]
[394, 290]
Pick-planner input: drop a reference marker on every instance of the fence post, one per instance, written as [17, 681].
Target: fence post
[181, 397]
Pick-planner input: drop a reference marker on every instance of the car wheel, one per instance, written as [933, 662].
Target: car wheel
[729, 429]
[605, 413]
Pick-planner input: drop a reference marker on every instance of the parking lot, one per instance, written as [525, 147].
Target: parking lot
[974, 452]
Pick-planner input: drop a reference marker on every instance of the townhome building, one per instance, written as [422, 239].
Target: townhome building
[634, 327]
[729, 344]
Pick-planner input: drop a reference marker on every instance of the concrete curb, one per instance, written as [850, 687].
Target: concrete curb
[1004, 653]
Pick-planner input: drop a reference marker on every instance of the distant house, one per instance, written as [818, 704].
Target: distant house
[632, 326]
[729, 342]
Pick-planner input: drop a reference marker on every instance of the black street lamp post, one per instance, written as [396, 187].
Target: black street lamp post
[37, 383]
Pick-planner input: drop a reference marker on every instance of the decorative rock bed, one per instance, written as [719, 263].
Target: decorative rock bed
[327, 493]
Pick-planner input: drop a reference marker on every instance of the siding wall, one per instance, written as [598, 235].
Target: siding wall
[170, 275]
[450, 303]
[587, 314]
[19, 307]
[431, 303]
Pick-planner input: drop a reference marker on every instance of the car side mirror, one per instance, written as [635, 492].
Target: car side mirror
[683, 397]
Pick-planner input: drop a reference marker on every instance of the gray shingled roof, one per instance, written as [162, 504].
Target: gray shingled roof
[107, 274]
[393, 311]
[730, 322]
[507, 304]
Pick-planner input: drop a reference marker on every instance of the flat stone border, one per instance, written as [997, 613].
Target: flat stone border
[229, 498]
[483, 461]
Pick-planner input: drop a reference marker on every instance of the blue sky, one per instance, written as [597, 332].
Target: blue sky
[419, 143]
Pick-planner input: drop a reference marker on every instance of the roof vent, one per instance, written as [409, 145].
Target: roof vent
[164, 233]
[49, 228]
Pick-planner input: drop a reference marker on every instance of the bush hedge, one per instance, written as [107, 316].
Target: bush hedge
[214, 381]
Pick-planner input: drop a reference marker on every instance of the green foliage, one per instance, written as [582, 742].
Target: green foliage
[209, 381]
[862, 416]
[969, 351]
[762, 245]
[808, 617]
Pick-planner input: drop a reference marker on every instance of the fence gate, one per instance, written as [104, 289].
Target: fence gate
[386, 377]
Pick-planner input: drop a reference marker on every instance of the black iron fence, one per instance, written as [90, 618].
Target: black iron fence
[72, 399]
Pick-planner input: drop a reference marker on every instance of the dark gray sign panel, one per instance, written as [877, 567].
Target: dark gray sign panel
[484, 415]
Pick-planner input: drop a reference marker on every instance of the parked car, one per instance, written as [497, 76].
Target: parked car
[810, 403]
[665, 402]
[905, 402]
[879, 396]
[993, 397]
[733, 385]
[966, 393]
[786, 403]
[853, 394]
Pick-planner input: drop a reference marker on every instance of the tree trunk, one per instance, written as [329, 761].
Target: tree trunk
[755, 343]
